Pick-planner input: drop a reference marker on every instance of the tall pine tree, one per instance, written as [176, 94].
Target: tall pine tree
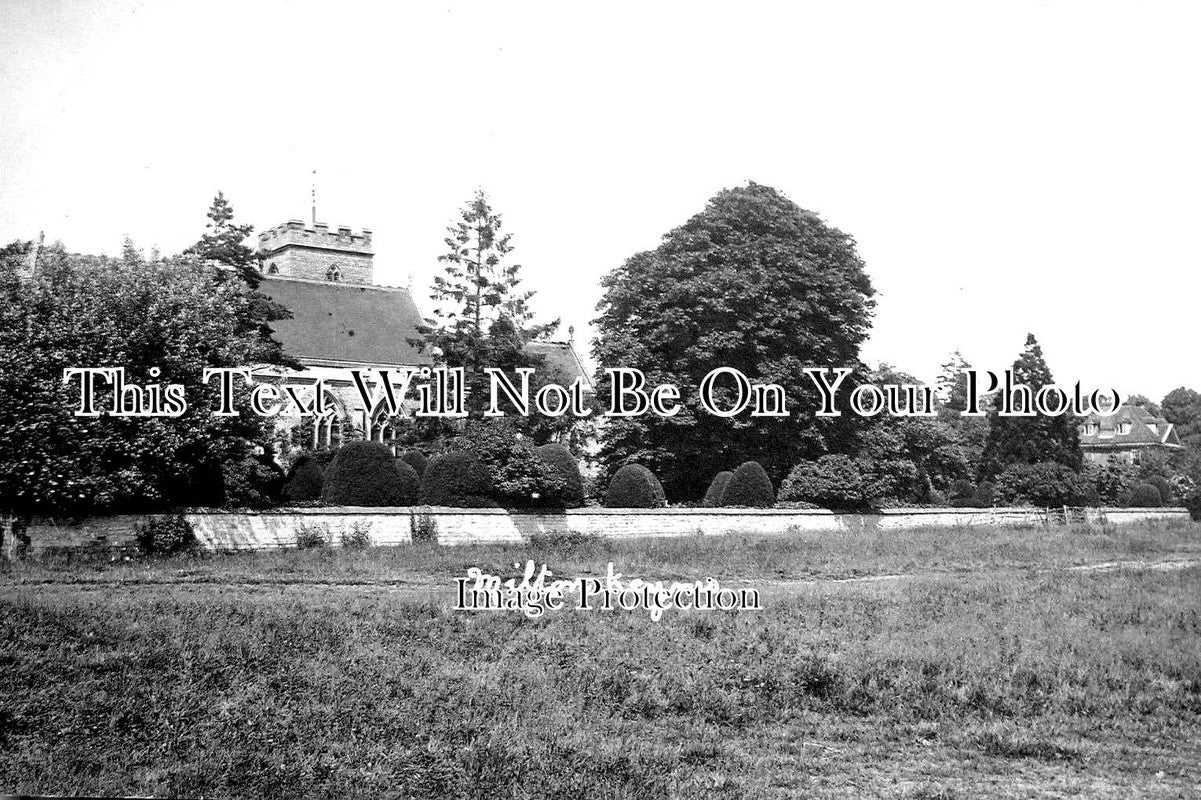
[224, 245]
[1030, 440]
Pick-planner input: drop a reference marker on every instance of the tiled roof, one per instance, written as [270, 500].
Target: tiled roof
[1144, 429]
[346, 324]
[560, 361]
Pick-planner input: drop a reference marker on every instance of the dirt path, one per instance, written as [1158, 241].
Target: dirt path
[432, 587]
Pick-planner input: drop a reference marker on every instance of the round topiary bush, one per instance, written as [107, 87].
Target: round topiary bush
[558, 456]
[1144, 495]
[833, 482]
[366, 474]
[305, 479]
[1165, 489]
[749, 487]
[415, 459]
[635, 486]
[457, 479]
[716, 488]
[962, 489]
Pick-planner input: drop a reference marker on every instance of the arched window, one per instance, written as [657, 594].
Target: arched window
[272, 269]
[334, 273]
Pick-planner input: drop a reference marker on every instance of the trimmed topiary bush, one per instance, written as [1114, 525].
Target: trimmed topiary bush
[749, 487]
[716, 488]
[457, 479]
[305, 479]
[165, 536]
[1046, 484]
[635, 486]
[962, 489]
[366, 474]
[1144, 495]
[1165, 489]
[415, 459]
[558, 456]
[985, 494]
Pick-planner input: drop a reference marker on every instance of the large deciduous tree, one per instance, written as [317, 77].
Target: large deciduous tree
[1030, 439]
[163, 322]
[752, 282]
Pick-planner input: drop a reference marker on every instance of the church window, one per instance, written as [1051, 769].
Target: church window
[272, 269]
[333, 273]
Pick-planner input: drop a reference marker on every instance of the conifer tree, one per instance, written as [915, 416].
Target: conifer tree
[1034, 439]
[224, 244]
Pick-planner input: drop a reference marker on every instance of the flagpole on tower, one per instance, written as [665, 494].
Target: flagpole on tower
[314, 198]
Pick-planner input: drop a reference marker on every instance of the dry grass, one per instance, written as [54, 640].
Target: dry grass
[953, 684]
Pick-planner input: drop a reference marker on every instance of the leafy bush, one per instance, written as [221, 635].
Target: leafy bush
[415, 459]
[165, 536]
[1193, 504]
[986, 494]
[749, 486]
[251, 482]
[423, 527]
[1144, 495]
[519, 477]
[716, 489]
[832, 482]
[457, 479]
[1045, 484]
[305, 479]
[310, 537]
[635, 486]
[358, 537]
[1112, 481]
[558, 456]
[962, 490]
[366, 474]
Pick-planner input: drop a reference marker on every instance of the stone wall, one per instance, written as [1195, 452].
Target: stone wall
[458, 526]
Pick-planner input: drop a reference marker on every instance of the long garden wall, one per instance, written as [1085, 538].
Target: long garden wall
[458, 526]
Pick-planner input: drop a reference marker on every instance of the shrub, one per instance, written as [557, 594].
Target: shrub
[832, 482]
[1045, 484]
[310, 537]
[962, 489]
[165, 536]
[635, 486]
[716, 488]
[366, 474]
[936, 498]
[1112, 481]
[1144, 495]
[305, 479]
[358, 537]
[558, 456]
[985, 494]
[964, 502]
[749, 486]
[1165, 490]
[423, 527]
[415, 459]
[1193, 504]
[251, 482]
[457, 479]
[517, 475]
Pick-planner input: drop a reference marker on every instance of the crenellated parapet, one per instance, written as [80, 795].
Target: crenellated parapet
[293, 250]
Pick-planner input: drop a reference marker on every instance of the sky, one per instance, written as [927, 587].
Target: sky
[1005, 168]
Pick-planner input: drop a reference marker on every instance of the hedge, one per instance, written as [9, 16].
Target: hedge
[558, 456]
[749, 487]
[457, 479]
[716, 487]
[635, 486]
[415, 459]
[366, 474]
[305, 479]
[1144, 495]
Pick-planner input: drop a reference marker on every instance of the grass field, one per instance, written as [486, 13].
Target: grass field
[993, 666]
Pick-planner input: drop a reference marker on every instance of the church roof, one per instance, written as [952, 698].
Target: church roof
[345, 324]
[560, 362]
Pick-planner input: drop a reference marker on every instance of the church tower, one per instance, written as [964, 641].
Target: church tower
[317, 254]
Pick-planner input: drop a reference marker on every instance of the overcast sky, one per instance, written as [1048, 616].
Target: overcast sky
[1004, 167]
